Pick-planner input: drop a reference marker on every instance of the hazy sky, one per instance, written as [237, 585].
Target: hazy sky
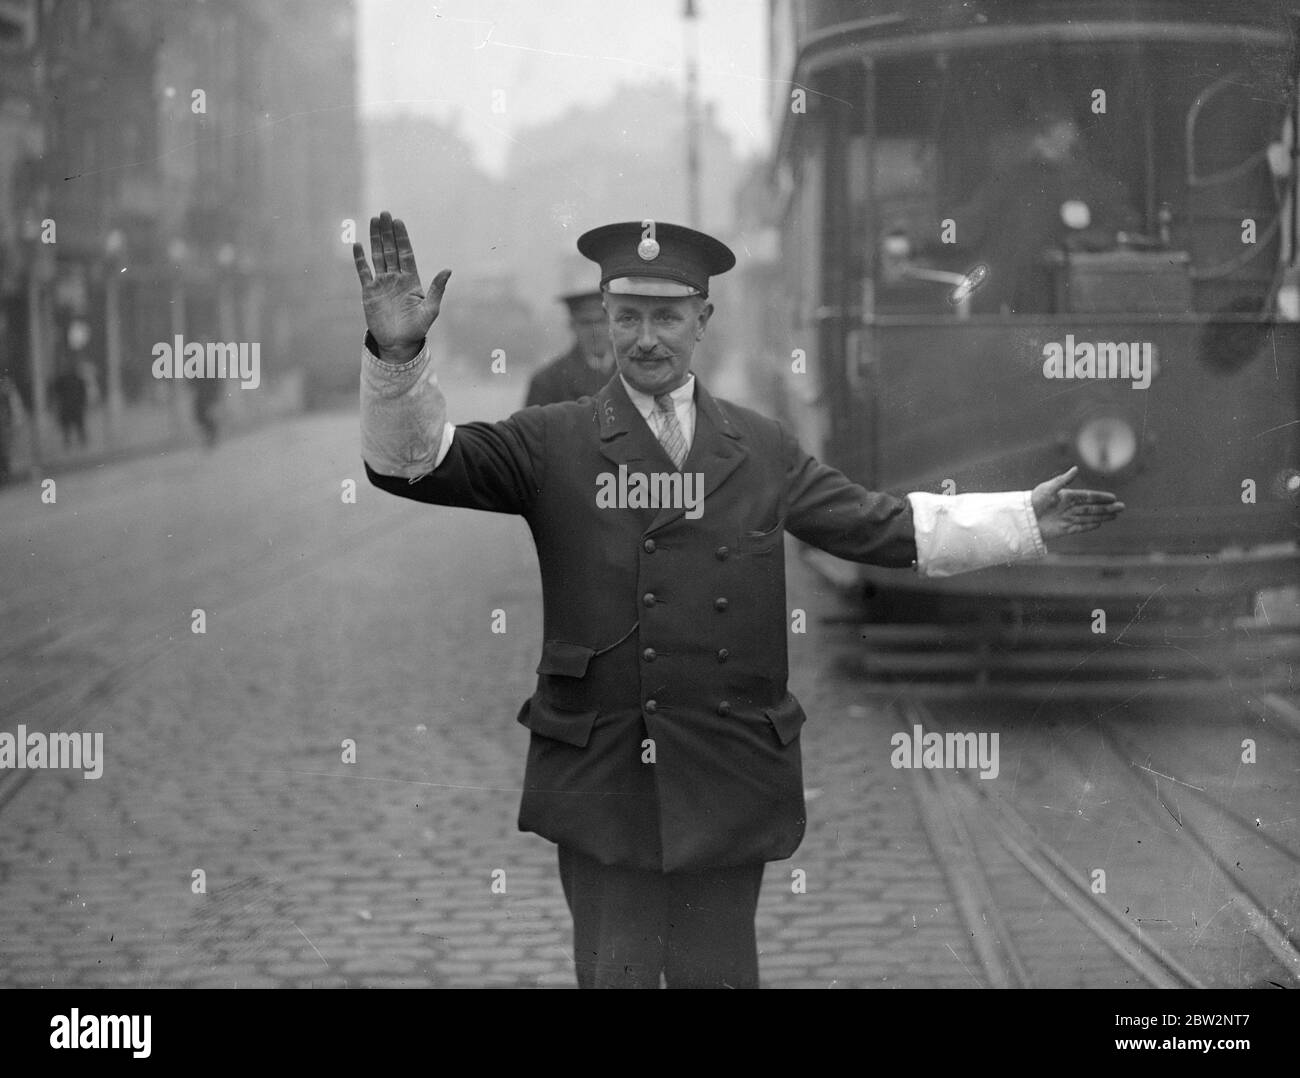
[538, 58]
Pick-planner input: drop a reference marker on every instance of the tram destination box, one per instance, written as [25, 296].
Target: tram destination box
[1134, 281]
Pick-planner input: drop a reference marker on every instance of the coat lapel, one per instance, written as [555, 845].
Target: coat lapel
[716, 450]
[624, 437]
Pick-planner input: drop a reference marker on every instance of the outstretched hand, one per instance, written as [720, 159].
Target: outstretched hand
[398, 311]
[1068, 512]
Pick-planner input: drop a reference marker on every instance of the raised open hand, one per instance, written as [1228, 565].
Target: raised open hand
[1067, 512]
[398, 311]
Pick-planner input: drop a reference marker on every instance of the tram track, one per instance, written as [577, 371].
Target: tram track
[966, 808]
[976, 833]
[1253, 912]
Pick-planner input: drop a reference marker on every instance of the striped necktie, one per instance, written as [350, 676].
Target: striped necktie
[671, 436]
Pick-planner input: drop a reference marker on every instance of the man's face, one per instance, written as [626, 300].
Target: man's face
[654, 338]
[591, 327]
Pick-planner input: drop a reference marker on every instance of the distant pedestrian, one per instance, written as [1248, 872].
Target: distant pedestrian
[585, 368]
[207, 392]
[6, 426]
[90, 376]
[68, 391]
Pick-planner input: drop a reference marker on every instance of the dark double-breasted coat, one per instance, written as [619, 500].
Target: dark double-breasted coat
[665, 636]
[565, 378]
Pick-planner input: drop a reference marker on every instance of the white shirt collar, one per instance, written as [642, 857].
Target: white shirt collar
[684, 394]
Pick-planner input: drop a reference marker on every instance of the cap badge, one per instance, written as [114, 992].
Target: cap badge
[648, 250]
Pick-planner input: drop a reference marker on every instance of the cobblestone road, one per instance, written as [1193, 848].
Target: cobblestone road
[328, 621]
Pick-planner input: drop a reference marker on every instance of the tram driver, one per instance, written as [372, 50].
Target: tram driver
[1051, 196]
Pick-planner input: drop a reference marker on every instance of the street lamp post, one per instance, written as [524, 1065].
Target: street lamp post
[177, 254]
[692, 116]
[114, 247]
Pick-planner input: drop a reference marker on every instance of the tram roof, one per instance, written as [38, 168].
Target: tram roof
[811, 35]
[814, 19]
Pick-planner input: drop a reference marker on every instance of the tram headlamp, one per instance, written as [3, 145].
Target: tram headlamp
[1106, 444]
[896, 246]
[1076, 214]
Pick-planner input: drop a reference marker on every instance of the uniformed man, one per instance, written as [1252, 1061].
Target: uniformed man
[664, 754]
[585, 368]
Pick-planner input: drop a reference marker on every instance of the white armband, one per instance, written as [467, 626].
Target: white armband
[404, 428]
[956, 533]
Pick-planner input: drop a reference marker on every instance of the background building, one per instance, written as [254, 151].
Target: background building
[171, 167]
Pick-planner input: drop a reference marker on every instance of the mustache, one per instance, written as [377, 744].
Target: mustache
[653, 353]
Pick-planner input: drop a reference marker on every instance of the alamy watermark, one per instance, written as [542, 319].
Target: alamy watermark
[216, 359]
[1105, 359]
[656, 490]
[77, 1030]
[56, 751]
[946, 752]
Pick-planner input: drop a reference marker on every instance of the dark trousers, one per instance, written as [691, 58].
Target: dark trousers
[630, 925]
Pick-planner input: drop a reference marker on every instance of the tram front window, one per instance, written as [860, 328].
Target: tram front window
[1052, 197]
[1064, 171]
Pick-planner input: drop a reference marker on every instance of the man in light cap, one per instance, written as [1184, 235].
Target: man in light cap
[585, 368]
[664, 752]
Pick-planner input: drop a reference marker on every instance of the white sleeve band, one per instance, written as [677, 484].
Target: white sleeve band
[956, 533]
[404, 428]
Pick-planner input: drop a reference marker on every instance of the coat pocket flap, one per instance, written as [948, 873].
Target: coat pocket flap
[786, 718]
[571, 727]
[762, 542]
[566, 660]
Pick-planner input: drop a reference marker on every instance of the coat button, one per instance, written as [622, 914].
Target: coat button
[721, 553]
[651, 706]
[724, 708]
[648, 655]
[723, 655]
[648, 599]
[719, 604]
[649, 546]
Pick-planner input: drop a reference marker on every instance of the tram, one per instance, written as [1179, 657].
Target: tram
[1017, 235]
